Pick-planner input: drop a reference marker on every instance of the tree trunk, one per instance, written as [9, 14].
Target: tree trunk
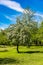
[17, 48]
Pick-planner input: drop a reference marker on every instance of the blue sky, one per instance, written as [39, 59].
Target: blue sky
[10, 9]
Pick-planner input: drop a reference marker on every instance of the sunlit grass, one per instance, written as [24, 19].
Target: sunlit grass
[9, 56]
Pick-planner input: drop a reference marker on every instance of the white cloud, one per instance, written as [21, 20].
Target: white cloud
[12, 4]
[3, 26]
[38, 14]
[11, 18]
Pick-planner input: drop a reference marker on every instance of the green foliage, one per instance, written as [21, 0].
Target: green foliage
[26, 31]
[3, 38]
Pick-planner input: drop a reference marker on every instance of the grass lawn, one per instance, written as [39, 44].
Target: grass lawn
[9, 56]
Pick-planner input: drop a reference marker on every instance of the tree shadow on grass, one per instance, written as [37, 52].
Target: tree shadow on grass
[30, 52]
[8, 61]
[4, 51]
